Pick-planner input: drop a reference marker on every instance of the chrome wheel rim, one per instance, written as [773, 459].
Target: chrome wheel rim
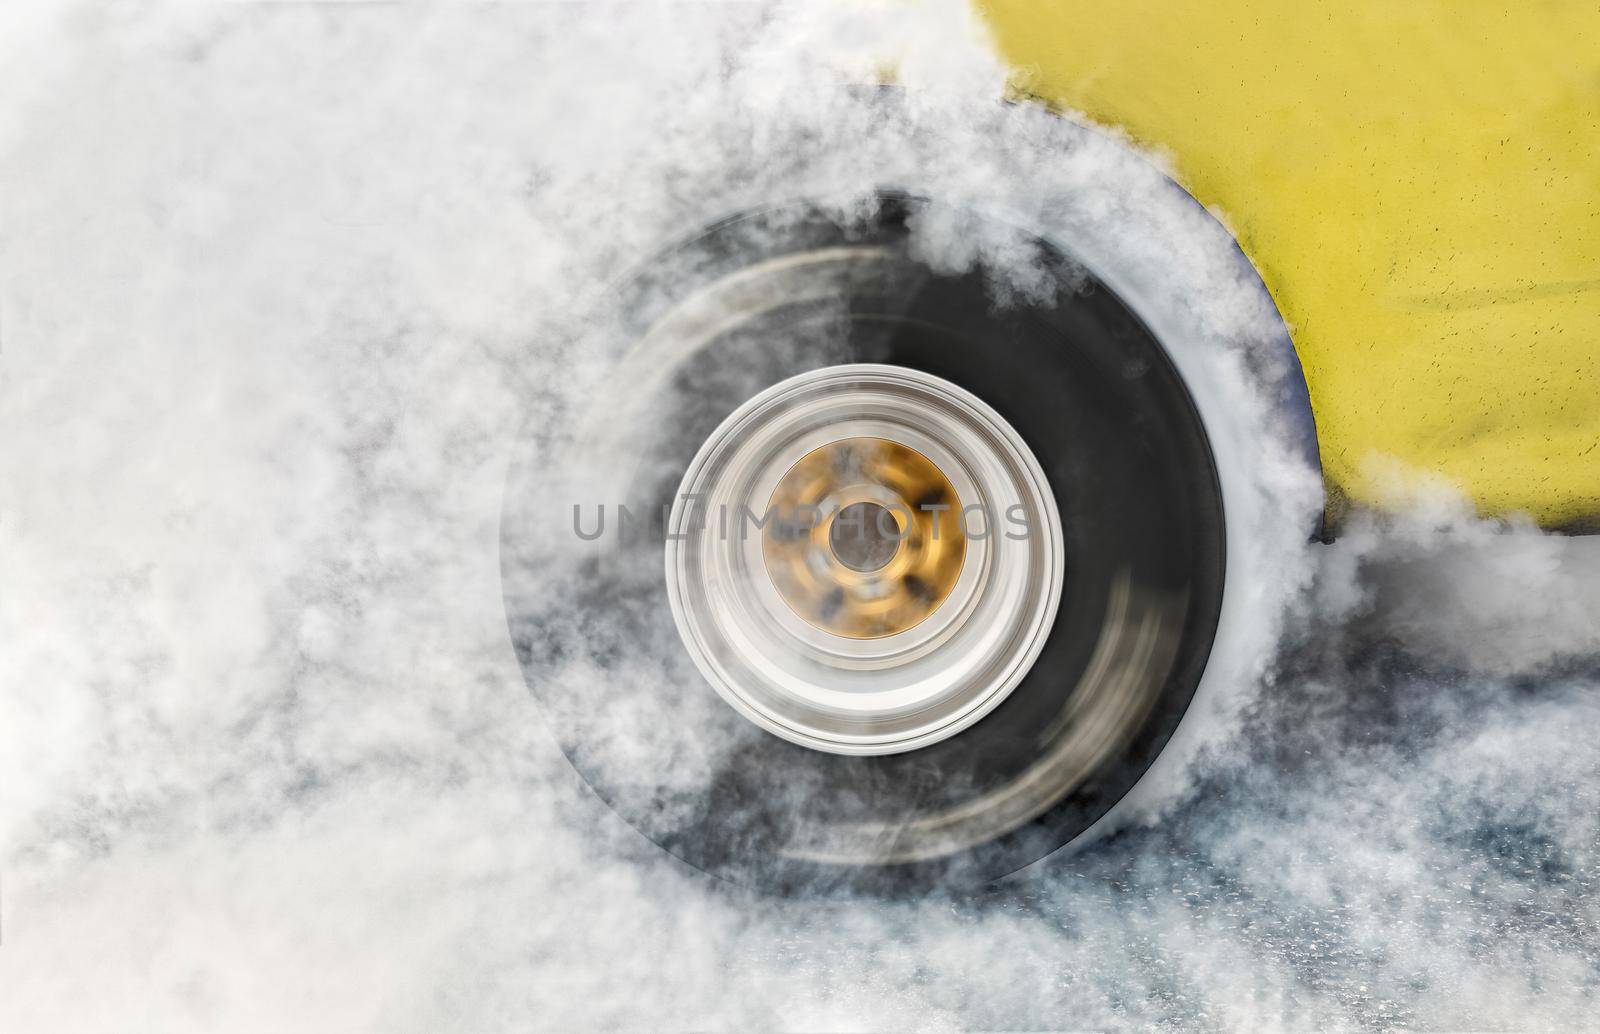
[918, 681]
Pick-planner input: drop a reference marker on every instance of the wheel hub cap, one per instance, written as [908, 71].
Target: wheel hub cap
[865, 540]
[864, 559]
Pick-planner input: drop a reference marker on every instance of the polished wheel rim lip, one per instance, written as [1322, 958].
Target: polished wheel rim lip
[864, 696]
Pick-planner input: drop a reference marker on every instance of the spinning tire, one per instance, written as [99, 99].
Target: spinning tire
[786, 296]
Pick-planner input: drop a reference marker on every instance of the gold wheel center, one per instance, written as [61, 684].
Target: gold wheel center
[865, 539]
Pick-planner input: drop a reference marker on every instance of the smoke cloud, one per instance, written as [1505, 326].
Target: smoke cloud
[284, 288]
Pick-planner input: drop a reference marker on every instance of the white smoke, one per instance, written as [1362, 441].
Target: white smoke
[278, 284]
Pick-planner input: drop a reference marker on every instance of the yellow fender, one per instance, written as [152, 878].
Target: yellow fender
[1418, 185]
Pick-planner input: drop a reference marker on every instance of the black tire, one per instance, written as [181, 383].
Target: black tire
[1107, 415]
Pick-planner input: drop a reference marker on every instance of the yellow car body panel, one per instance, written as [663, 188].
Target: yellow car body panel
[1418, 184]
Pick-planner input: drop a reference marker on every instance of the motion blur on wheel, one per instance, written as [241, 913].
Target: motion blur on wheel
[861, 567]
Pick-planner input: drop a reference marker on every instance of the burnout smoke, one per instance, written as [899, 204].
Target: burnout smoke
[287, 289]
